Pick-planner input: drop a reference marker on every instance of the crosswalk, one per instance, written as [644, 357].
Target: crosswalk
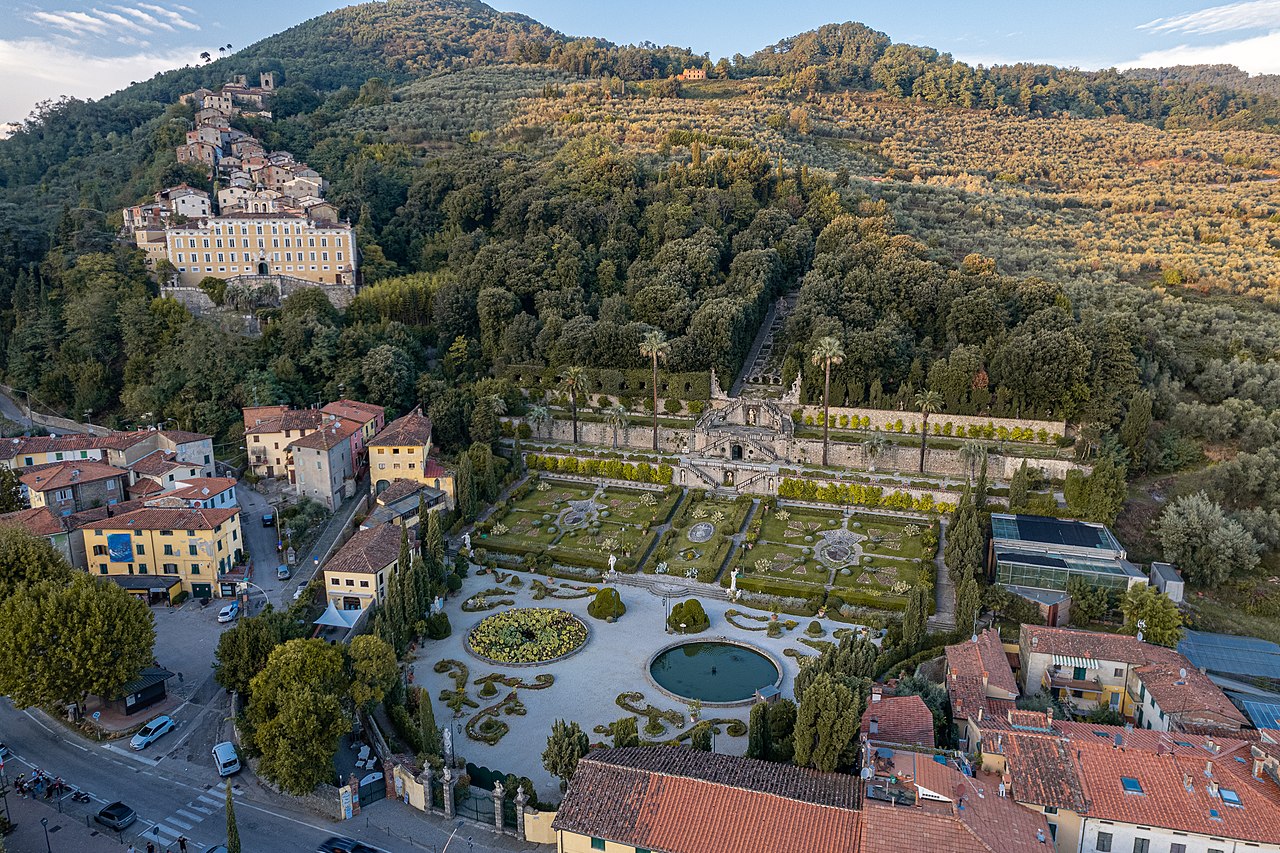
[165, 833]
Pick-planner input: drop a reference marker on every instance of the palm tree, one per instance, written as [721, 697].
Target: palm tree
[616, 417]
[972, 452]
[574, 381]
[826, 352]
[927, 402]
[874, 446]
[654, 346]
[538, 417]
[205, 56]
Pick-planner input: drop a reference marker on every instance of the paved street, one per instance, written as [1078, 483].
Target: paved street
[175, 797]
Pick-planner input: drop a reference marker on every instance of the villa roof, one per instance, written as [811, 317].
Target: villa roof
[368, 551]
[61, 475]
[166, 518]
[355, 410]
[681, 800]
[899, 719]
[1093, 645]
[202, 488]
[38, 521]
[411, 430]
[335, 432]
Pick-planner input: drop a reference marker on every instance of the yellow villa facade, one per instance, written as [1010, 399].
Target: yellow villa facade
[192, 546]
[269, 244]
[402, 451]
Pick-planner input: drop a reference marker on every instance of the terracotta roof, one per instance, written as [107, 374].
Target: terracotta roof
[952, 813]
[399, 489]
[899, 719]
[1184, 692]
[1044, 771]
[62, 475]
[202, 488]
[368, 551]
[14, 447]
[680, 800]
[144, 487]
[158, 464]
[289, 419]
[355, 410]
[181, 436]
[433, 468]
[253, 414]
[157, 518]
[1070, 642]
[335, 432]
[975, 669]
[39, 521]
[412, 430]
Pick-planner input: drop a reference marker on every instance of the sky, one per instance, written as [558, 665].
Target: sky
[89, 48]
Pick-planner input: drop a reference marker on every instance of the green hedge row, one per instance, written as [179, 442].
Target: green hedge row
[617, 383]
[856, 494]
[615, 469]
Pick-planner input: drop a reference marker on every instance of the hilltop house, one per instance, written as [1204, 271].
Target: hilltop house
[402, 451]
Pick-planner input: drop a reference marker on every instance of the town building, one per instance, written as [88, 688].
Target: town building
[251, 244]
[206, 492]
[401, 502]
[356, 576]
[45, 523]
[166, 551]
[67, 487]
[372, 418]
[693, 74]
[1155, 687]
[1036, 556]
[981, 686]
[897, 719]
[323, 462]
[277, 437]
[184, 200]
[402, 451]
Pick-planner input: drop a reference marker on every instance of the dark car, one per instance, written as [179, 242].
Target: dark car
[268, 519]
[117, 816]
[337, 844]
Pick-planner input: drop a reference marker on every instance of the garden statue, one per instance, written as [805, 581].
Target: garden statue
[613, 559]
[733, 582]
[448, 744]
[466, 541]
[437, 605]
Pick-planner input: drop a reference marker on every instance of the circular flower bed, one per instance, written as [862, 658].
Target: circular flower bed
[527, 636]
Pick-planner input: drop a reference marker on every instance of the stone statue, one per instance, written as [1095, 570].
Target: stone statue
[466, 541]
[448, 748]
[792, 397]
[437, 605]
[613, 560]
[733, 582]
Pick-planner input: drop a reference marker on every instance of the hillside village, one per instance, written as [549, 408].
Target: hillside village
[649, 475]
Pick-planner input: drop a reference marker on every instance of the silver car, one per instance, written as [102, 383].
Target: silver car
[146, 735]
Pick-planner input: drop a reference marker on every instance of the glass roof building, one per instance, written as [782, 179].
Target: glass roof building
[1031, 552]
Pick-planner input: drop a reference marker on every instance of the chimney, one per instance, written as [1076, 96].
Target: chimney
[1257, 768]
[1213, 789]
[876, 693]
[980, 709]
[1186, 782]
[1208, 769]
[1210, 745]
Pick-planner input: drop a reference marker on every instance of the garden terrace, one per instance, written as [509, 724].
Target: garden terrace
[700, 537]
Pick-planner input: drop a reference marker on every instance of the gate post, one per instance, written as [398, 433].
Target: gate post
[521, 800]
[354, 785]
[499, 795]
[448, 791]
[426, 779]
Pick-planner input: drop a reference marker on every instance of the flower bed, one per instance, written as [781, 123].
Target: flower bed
[524, 636]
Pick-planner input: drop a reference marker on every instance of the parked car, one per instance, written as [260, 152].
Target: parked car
[4, 751]
[282, 572]
[229, 612]
[268, 519]
[225, 758]
[116, 816]
[338, 844]
[146, 735]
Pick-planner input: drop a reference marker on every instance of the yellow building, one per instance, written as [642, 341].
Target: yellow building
[356, 577]
[171, 549]
[402, 451]
[262, 244]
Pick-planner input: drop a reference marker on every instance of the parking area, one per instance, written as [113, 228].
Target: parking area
[186, 639]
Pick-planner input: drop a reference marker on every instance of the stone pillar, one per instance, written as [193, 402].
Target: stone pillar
[353, 784]
[448, 791]
[389, 780]
[426, 779]
[499, 793]
[522, 800]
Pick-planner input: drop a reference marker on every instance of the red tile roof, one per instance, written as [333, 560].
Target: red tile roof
[39, 521]
[899, 719]
[203, 488]
[159, 463]
[975, 670]
[145, 486]
[369, 551]
[355, 410]
[157, 518]
[411, 430]
[62, 475]
[680, 800]
[334, 433]
[11, 448]
[1070, 642]
[399, 489]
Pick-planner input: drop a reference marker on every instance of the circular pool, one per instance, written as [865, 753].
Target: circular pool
[716, 672]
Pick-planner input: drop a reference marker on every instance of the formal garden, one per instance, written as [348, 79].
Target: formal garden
[700, 537]
[550, 525]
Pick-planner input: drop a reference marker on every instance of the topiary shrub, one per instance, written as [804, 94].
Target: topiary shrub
[607, 605]
[691, 615]
[438, 626]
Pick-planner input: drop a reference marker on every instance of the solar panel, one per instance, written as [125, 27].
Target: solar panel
[1263, 715]
[1229, 654]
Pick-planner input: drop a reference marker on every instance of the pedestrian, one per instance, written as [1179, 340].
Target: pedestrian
[130, 849]
[182, 844]
[151, 847]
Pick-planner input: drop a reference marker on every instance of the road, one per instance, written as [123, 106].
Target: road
[173, 797]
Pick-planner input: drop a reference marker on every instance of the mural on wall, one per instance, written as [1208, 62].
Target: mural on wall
[120, 547]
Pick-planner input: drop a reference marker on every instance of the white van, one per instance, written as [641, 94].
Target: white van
[225, 758]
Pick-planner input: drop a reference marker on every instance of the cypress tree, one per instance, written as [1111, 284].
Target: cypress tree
[1018, 487]
[431, 743]
[758, 745]
[233, 831]
[700, 737]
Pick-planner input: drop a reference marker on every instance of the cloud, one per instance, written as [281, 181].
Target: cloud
[77, 23]
[145, 18]
[121, 21]
[1257, 55]
[1251, 15]
[34, 69]
[169, 15]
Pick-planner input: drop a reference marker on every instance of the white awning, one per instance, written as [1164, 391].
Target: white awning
[1067, 660]
[335, 618]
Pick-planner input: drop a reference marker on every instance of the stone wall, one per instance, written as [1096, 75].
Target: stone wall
[199, 303]
[631, 437]
[883, 417]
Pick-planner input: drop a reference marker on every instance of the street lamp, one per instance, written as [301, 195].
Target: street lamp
[44, 821]
[245, 592]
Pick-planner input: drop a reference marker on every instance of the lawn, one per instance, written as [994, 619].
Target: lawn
[700, 537]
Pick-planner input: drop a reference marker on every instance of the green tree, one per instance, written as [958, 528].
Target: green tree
[243, 649]
[1198, 537]
[565, 746]
[295, 717]
[700, 736]
[653, 347]
[827, 723]
[914, 616]
[373, 670]
[1100, 495]
[928, 402]
[1136, 426]
[625, 733]
[432, 743]
[1088, 603]
[1019, 485]
[538, 417]
[965, 541]
[60, 642]
[758, 742]
[573, 381]
[615, 417]
[10, 491]
[826, 352]
[968, 600]
[464, 486]
[233, 830]
[25, 558]
[1160, 617]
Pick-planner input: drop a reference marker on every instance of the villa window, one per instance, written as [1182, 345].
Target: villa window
[597, 844]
